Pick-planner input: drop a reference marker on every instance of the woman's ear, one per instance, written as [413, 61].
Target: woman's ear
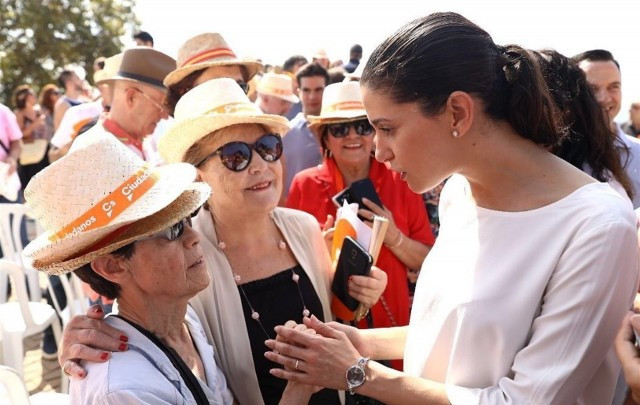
[460, 106]
[112, 268]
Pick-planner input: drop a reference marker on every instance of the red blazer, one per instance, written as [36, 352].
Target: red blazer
[312, 190]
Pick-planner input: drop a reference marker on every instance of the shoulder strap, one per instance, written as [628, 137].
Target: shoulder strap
[187, 375]
[5, 148]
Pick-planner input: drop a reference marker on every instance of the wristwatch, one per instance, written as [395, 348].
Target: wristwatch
[356, 374]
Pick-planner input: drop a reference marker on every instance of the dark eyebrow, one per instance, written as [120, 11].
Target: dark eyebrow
[378, 121]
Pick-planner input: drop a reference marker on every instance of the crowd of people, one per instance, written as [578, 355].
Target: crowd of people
[508, 271]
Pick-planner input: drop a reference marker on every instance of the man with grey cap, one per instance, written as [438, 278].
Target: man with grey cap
[138, 97]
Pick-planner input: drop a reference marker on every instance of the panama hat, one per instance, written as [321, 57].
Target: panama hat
[204, 51]
[100, 197]
[110, 70]
[277, 85]
[142, 64]
[206, 108]
[341, 102]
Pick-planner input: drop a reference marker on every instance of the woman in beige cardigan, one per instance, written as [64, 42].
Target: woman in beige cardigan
[267, 264]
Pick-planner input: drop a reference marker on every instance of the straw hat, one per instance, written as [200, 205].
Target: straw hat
[204, 51]
[100, 197]
[211, 106]
[110, 70]
[277, 85]
[320, 54]
[142, 64]
[341, 102]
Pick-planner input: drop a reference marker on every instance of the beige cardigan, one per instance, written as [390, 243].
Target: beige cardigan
[220, 309]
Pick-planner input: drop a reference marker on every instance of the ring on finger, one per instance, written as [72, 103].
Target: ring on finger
[296, 366]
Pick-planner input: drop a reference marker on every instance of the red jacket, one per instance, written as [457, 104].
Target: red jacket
[312, 190]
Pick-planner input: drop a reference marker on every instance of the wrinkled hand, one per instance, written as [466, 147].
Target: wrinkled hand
[311, 389]
[628, 353]
[88, 338]
[393, 233]
[323, 358]
[368, 289]
[356, 338]
[327, 231]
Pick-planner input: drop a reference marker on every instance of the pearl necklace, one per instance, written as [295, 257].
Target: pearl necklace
[255, 315]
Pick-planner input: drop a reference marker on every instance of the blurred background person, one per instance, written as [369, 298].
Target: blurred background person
[321, 58]
[275, 94]
[143, 38]
[47, 100]
[355, 55]
[291, 67]
[73, 95]
[632, 126]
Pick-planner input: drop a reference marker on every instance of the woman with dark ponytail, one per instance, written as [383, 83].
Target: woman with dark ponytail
[536, 263]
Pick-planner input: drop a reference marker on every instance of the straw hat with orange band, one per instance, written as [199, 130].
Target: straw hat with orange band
[341, 102]
[100, 197]
[204, 51]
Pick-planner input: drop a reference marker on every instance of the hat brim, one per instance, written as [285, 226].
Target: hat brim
[179, 138]
[186, 203]
[172, 181]
[177, 75]
[292, 98]
[127, 79]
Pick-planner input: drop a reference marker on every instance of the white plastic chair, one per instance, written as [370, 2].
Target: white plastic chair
[77, 300]
[11, 216]
[22, 318]
[15, 392]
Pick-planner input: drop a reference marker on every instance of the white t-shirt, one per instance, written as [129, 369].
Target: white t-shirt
[523, 307]
[73, 120]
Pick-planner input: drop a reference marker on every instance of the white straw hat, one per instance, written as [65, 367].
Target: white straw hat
[277, 85]
[206, 108]
[204, 51]
[110, 70]
[100, 197]
[341, 102]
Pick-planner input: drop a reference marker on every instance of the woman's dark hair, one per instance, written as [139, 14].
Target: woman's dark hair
[431, 57]
[20, 95]
[590, 139]
[46, 97]
[100, 284]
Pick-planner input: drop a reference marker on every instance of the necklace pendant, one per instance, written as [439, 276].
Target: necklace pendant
[237, 278]
[255, 316]
[222, 245]
[295, 278]
[305, 312]
[282, 245]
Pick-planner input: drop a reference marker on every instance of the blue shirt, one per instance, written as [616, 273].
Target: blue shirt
[144, 374]
[301, 150]
[630, 161]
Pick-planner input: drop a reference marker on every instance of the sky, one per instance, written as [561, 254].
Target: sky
[273, 30]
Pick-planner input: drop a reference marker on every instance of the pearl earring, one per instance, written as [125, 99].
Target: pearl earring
[455, 134]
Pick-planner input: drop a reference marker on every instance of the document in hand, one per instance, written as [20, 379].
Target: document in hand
[348, 224]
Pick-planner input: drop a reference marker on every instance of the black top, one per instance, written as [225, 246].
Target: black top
[277, 300]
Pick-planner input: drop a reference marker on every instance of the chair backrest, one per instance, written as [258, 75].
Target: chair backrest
[11, 216]
[77, 300]
[15, 274]
[13, 386]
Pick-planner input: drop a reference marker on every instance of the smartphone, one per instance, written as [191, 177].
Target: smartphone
[364, 189]
[354, 260]
[341, 197]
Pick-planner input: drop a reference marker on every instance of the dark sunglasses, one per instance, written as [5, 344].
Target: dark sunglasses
[173, 232]
[362, 127]
[236, 156]
[244, 86]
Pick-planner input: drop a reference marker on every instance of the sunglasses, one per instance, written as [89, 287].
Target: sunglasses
[171, 233]
[340, 130]
[244, 86]
[236, 156]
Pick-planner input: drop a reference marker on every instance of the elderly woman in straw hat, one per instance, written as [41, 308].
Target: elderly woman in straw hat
[202, 58]
[347, 141]
[269, 265]
[126, 230]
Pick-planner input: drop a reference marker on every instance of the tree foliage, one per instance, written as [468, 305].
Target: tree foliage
[38, 38]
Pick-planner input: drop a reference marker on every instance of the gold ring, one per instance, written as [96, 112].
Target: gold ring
[296, 367]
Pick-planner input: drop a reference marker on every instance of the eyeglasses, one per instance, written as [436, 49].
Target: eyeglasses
[159, 106]
[244, 86]
[171, 233]
[340, 130]
[236, 156]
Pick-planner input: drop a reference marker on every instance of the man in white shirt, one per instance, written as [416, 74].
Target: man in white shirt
[603, 74]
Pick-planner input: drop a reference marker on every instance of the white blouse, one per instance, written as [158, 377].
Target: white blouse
[523, 307]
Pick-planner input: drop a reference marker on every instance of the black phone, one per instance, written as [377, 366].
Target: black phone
[364, 189]
[354, 260]
[341, 197]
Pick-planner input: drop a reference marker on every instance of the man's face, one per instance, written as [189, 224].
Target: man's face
[634, 114]
[310, 92]
[75, 83]
[604, 77]
[148, 107]
[274, 105]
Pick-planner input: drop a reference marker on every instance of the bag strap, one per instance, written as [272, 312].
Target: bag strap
[5, 148]
[187, 375]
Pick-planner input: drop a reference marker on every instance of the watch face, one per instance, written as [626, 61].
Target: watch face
[355, 375]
